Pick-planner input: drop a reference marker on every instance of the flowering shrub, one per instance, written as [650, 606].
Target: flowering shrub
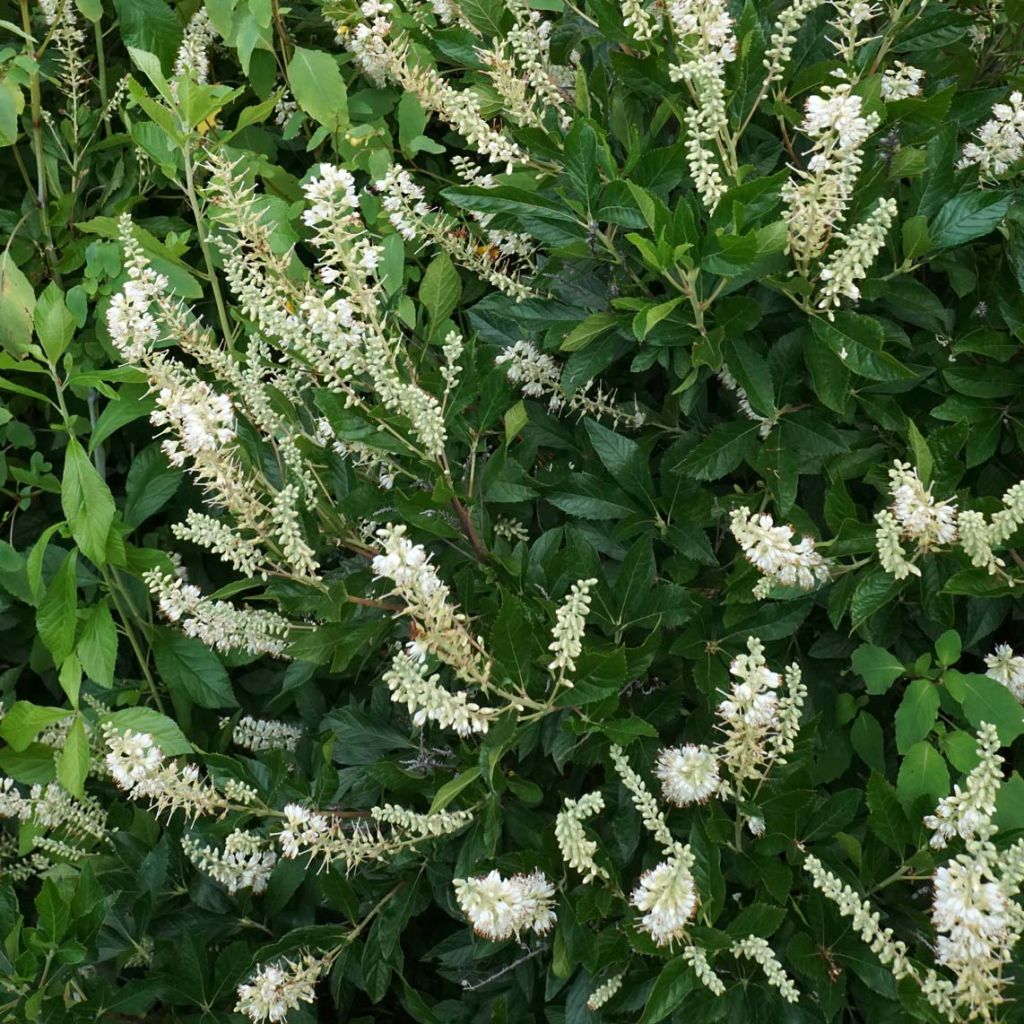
[512, 511]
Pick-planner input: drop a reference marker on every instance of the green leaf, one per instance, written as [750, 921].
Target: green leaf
[73, 765]
[87, 503]
[188, 667]
[670, 988]
[868, 741]
[988, 701]
[57, 615]
[588, 330]
[916, 714]
[453, 787]
[923, 773]
[721, 451]
[753, 374]
[968, 216]
[150, 25]
[885, 815]
[25, 721]
[622, 457]
[55, 326]
[440, 289]
[151, 483]
[54, 912]
[97, 646]
[948, 648]
[877, 667]
[169, 738]
[17, 303]
[318, 87]
[581, 163]
[858, 341]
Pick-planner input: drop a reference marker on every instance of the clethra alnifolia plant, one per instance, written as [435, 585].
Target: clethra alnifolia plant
[515, 511]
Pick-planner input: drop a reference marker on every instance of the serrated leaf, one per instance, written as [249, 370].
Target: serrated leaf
[318, 87]
[916, 714]
[922, 773]
[440, 288]
[57, 615]
[87, 502]
[73, 764]
[858, 341]
[877, 667]
[189, 667]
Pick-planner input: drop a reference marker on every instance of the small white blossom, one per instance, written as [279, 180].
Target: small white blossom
[770, 549]
[1007, 668]
[667, 897]
[277, 988]
[901, 82]
[1000, 140]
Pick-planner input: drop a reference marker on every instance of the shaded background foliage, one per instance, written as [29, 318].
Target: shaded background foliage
[932, 372]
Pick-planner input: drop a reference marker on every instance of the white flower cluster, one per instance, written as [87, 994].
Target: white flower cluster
[327, 837]
[979, 538]
[500, 908]
[850, 263]
[245, 863]
[440, 628]
[260, 734]
[974, 910]
[760, 726]
[757, 949]
[770, 549]
[641, 22]
[1000, 145]
[607, 990]
[421, 692]
[278, 988]
[384, 58]
[914, 516]
[1007, 668]
[414, 219]
[567, 634]
[576, 849]
[510, 529]
[667, 897]
[138, 766]
[784, 35]
[218, 624]
[62, 18]
[901, 82]
[193, 60]
[817, 197]
[705, 43]
[643, 799]
[968, 811]
[688, 774]
[538, 376]
[697, 958]
[520, 68]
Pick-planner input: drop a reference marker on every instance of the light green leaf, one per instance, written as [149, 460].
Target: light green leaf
[87, 503]
[55, 326]
[878, 667]
[17, 303]
[923, 773]
[989, 701]
[25, 721]
[73, 765]
[916, 714]
[318, 87]
[97, 646]
[440, 288]
[57, 615]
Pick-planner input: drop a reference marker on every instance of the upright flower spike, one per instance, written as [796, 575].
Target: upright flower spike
[576, 849]
[667, 897]
[567, 635]
[1007, 668]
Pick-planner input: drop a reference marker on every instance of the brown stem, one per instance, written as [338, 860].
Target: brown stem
[467, 523]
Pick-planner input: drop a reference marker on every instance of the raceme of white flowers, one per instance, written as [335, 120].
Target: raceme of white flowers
[499, 908]
[915, 516]
[278, 988]
[260, 734]
[576, 848]
[770, 549]
[245, 863]
[688, 774]
[1007, 668]
[1000, 140]
[538, 376]
[567, 635]
[975, 913]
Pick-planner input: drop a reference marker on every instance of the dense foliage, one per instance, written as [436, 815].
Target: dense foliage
[510, 510]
